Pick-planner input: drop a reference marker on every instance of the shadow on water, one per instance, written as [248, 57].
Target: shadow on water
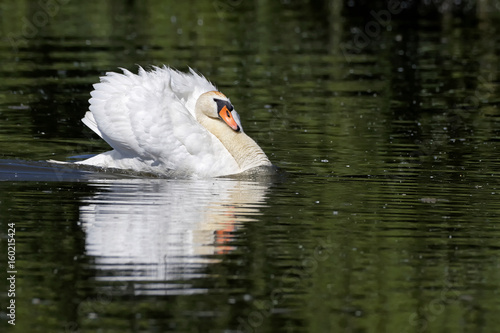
[45, 171]
[20, 170]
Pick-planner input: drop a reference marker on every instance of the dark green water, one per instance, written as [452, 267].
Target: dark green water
[387, 126]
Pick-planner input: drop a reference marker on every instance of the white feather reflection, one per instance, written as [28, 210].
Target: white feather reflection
[160, 230]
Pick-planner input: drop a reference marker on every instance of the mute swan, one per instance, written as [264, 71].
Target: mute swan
[168, 122]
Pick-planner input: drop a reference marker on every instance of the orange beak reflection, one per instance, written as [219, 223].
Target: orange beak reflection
[228, 118]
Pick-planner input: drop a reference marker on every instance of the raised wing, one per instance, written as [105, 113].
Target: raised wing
[150, 116]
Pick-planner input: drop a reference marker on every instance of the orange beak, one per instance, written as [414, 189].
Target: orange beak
[228, 118]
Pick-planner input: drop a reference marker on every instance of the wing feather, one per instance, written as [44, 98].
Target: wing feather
[89, 120]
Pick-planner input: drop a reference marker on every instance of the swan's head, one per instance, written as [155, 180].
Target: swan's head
[216, 105]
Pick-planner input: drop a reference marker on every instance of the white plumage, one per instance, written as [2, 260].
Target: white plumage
[167, 122]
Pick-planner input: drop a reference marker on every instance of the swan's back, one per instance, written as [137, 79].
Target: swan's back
[149, 120]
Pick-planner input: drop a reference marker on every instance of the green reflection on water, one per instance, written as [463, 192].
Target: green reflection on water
[387, 222]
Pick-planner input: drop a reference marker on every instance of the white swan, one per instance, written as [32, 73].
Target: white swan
[164, 121]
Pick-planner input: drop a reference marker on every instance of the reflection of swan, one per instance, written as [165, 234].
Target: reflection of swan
[166, 121]
[161, 230]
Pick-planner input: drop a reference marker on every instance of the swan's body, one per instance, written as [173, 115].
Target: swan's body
[164, 121]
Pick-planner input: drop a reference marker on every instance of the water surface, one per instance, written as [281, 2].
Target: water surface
[387, 219]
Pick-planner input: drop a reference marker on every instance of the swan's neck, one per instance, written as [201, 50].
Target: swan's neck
[244, 150]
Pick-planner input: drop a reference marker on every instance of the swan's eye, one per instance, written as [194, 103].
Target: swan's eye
[222, 103]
